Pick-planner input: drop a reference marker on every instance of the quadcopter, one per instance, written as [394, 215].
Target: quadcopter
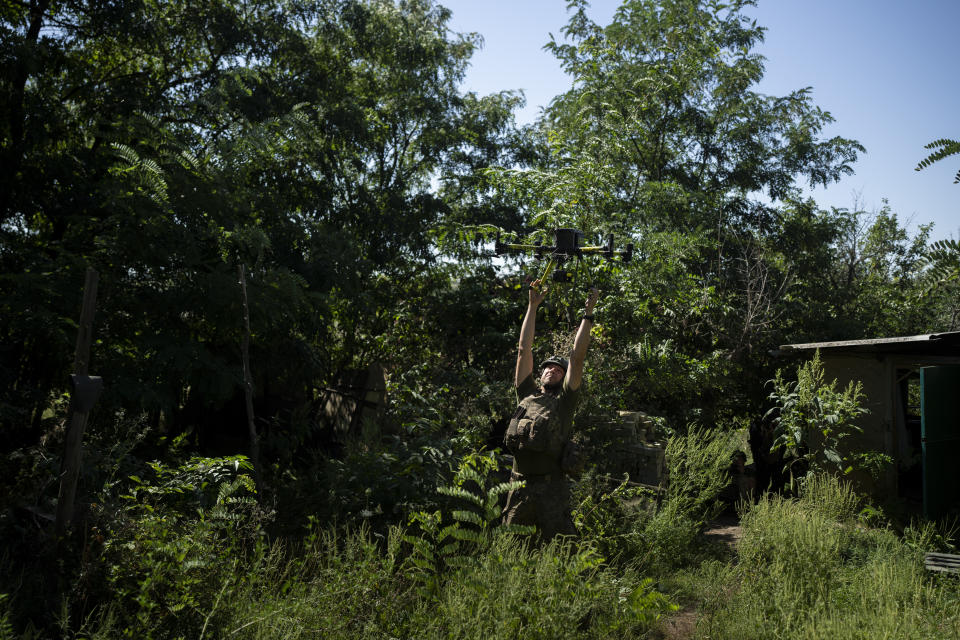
[566, 248]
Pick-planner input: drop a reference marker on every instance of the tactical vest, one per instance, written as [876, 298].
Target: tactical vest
[535, 436]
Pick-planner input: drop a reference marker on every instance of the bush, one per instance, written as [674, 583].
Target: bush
[813, 418]
[185, 559]
[660, 532]
[177, 546]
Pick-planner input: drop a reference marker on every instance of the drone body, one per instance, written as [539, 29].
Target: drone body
[566, 247]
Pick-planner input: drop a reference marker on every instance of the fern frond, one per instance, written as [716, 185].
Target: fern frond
[468, 535]
[424, 564]
[468, 516]
[466, 474]
[506, 487]
[492, 510]
[944, 148]
[942, 262]
[409, 539]
[948, 247]
[448, 530]
[518, 529]
[941, 142]
[462, 562]
[188, 160]
[459, 492]
[125, 153]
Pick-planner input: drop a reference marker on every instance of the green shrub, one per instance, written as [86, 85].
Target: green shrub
[697, 463]
[813, 418]
[612, 520]
[831, 498]
[178, 546]
[453, 540]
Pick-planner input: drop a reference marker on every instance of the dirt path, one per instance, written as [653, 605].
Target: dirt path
[726, 531]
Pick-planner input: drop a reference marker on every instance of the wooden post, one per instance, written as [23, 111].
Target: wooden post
[248, 385]
[70, 465]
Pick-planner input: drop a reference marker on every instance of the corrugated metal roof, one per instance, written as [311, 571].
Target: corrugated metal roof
[950, 341]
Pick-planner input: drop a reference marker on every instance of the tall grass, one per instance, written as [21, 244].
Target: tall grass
[354, 585]
[808, 569]
[167, 568]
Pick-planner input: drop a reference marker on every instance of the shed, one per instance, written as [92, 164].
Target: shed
[912, 388]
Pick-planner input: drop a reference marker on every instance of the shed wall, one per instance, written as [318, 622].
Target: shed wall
[877, 375]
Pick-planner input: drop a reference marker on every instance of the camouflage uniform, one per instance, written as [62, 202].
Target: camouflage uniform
[537, 436]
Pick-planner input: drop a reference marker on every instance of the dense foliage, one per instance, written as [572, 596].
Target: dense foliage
[327, 147]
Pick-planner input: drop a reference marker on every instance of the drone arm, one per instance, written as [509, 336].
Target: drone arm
[547, 270]
[607, 250]
[501, 248]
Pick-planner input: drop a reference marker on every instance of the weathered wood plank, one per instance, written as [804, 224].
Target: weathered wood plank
[944, 562]
[70, 465]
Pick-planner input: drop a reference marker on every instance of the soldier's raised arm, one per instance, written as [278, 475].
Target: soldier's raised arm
[580, 343]
[535, 296]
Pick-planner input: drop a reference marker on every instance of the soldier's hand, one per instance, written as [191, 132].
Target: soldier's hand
[591, 301]
[537, 293]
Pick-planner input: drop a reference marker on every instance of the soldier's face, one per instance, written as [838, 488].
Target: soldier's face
[552, 374]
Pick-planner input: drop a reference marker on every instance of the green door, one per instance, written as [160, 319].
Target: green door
[940, 430]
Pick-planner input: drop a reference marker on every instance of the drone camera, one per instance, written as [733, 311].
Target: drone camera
[562, 276]
[567, 241]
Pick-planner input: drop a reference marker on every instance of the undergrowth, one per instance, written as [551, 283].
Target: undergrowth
[182, 552]
[186, 557]
[809, 568]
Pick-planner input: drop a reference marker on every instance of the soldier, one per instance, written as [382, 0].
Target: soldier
[539, 432]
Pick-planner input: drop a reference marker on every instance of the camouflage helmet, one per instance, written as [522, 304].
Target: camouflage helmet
[557, 360]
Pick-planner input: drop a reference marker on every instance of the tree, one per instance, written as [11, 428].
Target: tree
[664, 97]
[856, 274]
[663, 139]
[164, 143]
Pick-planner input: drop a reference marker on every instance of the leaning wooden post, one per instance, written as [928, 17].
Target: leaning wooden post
[248, 385]
[86, 389]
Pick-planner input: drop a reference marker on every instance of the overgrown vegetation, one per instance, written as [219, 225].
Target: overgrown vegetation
[327, 147]
[809, 567]
[813, 418]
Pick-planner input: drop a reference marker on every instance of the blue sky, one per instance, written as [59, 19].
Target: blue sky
[887, 70]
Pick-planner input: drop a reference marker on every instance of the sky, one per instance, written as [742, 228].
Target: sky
[887, 70]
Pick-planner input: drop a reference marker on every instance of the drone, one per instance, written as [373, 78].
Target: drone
[566, 248]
